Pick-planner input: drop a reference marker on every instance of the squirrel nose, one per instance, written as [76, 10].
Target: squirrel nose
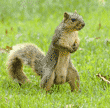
[83, 24]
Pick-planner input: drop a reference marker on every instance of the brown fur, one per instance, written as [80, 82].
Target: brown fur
[22, 54]
[56, 67]
[64, 70]
[68, 39]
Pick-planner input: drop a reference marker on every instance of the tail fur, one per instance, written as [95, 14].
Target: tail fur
[15, 70]
[22, 54]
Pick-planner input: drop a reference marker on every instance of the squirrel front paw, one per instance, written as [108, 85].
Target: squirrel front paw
[74, 47]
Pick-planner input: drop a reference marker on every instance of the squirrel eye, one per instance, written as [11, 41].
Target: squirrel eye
[73, 20]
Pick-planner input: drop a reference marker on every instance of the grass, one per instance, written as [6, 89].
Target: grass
[35, 22]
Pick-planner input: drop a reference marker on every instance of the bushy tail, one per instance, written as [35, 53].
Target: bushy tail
[22, 54]
[14, 66]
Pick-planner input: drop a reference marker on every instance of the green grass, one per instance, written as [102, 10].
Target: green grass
[36, 23]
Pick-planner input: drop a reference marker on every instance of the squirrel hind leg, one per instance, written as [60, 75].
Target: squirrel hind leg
[15, 70]
[73, 77]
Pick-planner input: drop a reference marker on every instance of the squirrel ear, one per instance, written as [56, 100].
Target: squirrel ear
[66, 16]
[75, 11]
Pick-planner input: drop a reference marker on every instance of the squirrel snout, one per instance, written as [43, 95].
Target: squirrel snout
[83, 24]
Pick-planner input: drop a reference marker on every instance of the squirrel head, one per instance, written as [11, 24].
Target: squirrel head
[73, 21]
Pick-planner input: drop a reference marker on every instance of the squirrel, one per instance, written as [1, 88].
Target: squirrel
[56, 67]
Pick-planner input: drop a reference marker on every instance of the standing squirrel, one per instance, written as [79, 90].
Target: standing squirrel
[56, 67]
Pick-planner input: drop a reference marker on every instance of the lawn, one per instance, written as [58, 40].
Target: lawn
[25, 21]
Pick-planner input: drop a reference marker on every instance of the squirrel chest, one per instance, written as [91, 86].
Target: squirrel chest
[68, 38]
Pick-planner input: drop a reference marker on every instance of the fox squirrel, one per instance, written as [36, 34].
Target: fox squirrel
[56, 67]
